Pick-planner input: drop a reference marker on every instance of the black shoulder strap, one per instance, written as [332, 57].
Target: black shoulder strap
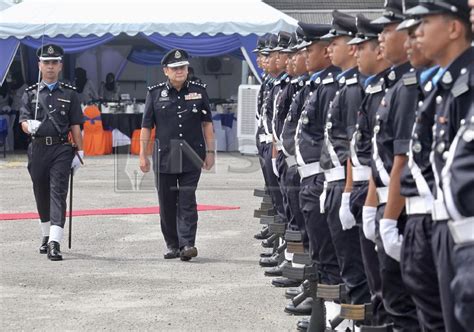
[50, 117]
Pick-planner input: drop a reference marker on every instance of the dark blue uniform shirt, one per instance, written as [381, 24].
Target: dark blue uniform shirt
[178, 117]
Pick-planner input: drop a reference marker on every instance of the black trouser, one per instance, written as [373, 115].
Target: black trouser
[178, 208]
[347, 246]
[272, 182]
[282, 169]
[292, 184]
[417, 267]
[369, 255]
[397, 302]
[320, 245]
[49, 167]
[261, 158]
[442, 246]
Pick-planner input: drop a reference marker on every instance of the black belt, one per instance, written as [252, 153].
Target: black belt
[49, 140]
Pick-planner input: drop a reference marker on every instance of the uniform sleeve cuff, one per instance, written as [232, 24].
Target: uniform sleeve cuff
[401, 146]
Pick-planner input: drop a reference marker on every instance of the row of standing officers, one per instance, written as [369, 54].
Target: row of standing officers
[365, 136]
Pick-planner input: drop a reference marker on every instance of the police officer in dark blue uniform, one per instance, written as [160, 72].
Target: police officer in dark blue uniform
[416, 262]
[287, 136]
[51, 110]
[278, 73]
[390, 141]
[458, 184]
[309, 140]
[179, 109]
[335, 153]
[445, 37]
[260, 137]
[372, 65]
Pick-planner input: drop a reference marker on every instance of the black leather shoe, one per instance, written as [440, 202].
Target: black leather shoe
[43, 249]
[304, 309]
[263, 234]
[268, 244]
[293, 291]
[303, 324]
[285, 282]
[266, 254]
[188, 252]
[275, 271]
[268, 262]
[54, 252]
[171, 253]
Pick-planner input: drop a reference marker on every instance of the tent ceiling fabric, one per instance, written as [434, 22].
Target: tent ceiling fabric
[35, 18]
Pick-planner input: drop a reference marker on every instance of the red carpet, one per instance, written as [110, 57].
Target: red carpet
[116, 211]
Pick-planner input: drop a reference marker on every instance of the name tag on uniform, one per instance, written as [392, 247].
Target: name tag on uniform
[193, 96]
[164, 99]
[64, 100]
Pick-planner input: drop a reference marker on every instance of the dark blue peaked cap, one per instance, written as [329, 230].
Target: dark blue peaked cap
[270, 43]
[313, 32]
[458, 8]
[283, 40]
[260, 44]
[342, 25]
[291, 48]
[394, 11]
[366, 30]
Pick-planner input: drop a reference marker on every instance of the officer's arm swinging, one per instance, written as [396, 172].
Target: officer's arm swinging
[208, 131]
[371, 199]
[395, 202]
[144, 141]
[77, 136]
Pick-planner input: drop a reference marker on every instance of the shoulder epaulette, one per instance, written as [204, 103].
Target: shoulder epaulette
[462, 84]
[68, 86]
[352, 80]
[198, 84]
[153, 87]
[410, 78]
[328, 80]
[32, 87]
[371, 89]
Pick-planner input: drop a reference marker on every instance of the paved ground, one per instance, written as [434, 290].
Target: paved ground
[114, 277]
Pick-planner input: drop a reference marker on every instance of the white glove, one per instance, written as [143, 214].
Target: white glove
[76, 163]
[368, 222]
[392, 241]
[33, 126]
[275, 168]
[345, 215]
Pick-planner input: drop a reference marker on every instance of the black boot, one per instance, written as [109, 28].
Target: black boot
[54, 252]
[43, 249]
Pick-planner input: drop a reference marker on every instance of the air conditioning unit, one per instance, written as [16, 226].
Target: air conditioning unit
[246, 121]
[218, 66]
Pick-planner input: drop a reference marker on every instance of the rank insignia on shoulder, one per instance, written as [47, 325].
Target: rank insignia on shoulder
[410, 80]
[374, 89]
[193, 96]
[461, 85]
[328, 80]
[31, 87]
[351, 81]
[68, 86]
[198, 84]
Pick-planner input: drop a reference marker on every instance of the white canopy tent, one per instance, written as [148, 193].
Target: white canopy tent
[35, 18]
[32, 19]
